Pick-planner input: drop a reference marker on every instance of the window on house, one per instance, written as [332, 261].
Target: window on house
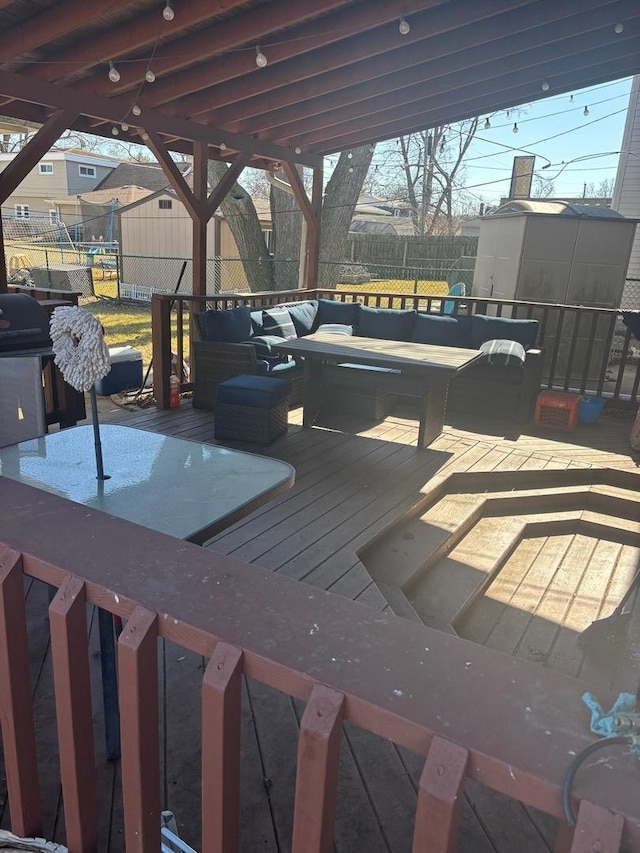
[22, 211]
[53, 215]
[87, 171]
[46, 168]
[165, 203]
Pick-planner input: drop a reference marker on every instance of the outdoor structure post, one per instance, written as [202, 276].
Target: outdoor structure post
[311, 210]
[17, 170]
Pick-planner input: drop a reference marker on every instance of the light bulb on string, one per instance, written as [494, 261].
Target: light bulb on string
[571, 99]
[404, 27]
[372, 147]
[114, 74]
[149, 76]
[487, 124]
[115, 131]
[167, 13]
[350, 170]
[124, 127]
[350, 155]
[136, 110]
[223, 146]
[585, 111]
[508, 113]
[515, 127]
[298, 150]
[618, 28]
[261, 59]
[545, 86]
[145, 136]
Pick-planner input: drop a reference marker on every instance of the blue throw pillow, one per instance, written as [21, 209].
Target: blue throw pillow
[442, 331]
[277, 321]
[485, 328]
[335, 329]
[344, 313]
[386, 323]
[231, 326]
[303, 315]
[503, 353]
[263, 344]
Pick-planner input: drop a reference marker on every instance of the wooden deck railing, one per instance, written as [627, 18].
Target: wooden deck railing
[587, 350]
[471, 712]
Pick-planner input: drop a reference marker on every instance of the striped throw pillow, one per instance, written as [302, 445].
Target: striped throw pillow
[503, 352]
[277, 321]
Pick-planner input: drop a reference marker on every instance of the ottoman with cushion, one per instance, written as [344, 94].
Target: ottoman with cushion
[252, 408]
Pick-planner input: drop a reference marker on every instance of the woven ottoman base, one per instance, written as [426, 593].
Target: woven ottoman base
[252, 408]
[245, 423]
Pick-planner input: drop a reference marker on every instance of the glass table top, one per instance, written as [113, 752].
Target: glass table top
[180, 487]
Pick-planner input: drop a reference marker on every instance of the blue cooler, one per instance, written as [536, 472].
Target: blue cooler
[125, 373]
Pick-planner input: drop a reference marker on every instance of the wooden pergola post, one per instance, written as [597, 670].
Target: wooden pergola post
[26, 159]
[201, 208]
[311, 210]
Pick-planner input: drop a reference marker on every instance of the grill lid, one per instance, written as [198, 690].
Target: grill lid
[24, 324]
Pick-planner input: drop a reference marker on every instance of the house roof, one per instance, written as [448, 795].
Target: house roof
[339, 73]
[150, 177]
[120, 195]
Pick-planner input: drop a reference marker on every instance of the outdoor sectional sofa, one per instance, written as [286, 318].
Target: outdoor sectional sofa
[504, 384]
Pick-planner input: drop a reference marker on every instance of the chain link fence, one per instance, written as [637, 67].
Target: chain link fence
[631, 295]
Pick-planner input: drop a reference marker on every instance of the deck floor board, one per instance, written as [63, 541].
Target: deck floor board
[353, 480]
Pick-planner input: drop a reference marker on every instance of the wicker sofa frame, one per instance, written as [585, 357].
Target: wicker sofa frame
[215, 362]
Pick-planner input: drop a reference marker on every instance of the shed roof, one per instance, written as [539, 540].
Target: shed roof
[339, 73]
[557, 208]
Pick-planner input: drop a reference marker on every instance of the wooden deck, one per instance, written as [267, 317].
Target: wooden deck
[355, 481]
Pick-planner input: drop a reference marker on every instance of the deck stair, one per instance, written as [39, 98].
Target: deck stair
[436, 562]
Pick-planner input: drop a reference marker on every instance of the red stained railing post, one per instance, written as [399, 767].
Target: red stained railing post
[68, 620]
[16, 708]
[221, 708]
[138, 692]
[440, 797]
[597, 829]
[317, 772]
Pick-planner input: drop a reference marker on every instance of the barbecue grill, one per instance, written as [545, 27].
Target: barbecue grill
[24, 326]
[33, 393]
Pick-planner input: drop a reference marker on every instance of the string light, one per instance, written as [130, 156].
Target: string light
[404, 27]
[223, 146]
[350, 155]
[571, 99]
[508, 113]
[618, 28]
[350, 169]
[515, 127]
[167, 13]
[145, 136]
[124, 126]
[261, 59]
[149, 76]
[135, 109]
[115, 131]
[114, 74]
[585, 111]
[487, 124]
[298, 150]
[372, 147]
[545, 86]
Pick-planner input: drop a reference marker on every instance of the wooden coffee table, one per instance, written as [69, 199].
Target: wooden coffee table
[419, 370]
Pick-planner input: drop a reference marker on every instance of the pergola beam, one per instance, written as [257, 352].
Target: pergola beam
[601, 73]
[299, 41]
[438, 42]
[223, 36]
[446, 75]
[25, 88]
[464, 86]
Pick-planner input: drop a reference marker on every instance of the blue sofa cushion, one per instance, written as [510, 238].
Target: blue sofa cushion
[277, 321]
[257, 322]
[335, 329]
[303, 315]
[344, 313]
[442, 331]
[504, 353]
[231, 326]
[386, 323]
[263, 344]
[485, 328]
[260, 392]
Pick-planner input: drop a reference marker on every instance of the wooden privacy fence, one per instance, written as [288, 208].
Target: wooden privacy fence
[587, 350]
[472, 712]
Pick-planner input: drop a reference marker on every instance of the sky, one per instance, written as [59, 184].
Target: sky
[557, 131]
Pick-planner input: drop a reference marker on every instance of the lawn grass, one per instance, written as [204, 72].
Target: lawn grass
[124, 325]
